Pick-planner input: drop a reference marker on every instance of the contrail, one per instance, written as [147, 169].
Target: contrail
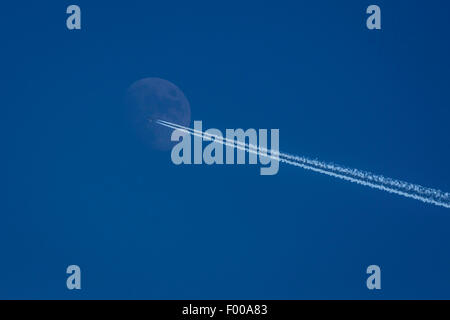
[406, 189]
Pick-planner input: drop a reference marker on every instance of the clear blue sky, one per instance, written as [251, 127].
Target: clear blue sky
[80, 188]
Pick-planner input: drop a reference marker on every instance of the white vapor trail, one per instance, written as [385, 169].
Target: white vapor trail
[406, 189]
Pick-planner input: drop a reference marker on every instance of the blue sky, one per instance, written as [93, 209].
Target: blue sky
[81, 188]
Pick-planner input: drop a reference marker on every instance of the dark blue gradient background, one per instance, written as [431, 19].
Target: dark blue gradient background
[78, 187]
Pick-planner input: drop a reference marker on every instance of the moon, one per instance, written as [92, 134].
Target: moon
[151, 99]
